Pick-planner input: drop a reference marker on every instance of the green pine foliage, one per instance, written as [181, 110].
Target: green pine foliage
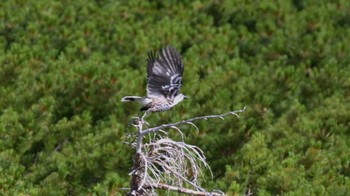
[64, 65]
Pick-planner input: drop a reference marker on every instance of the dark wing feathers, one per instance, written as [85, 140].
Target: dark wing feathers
[164, 73]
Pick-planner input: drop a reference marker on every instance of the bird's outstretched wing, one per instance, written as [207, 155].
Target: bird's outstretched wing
[164, 73]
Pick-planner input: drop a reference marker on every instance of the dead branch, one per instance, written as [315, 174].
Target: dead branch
[183, 190]
[163, 163]
[189, 121]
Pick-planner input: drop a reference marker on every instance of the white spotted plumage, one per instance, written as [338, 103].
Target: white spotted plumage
[164, 80]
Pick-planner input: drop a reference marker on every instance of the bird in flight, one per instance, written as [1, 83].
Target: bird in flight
[164, 78]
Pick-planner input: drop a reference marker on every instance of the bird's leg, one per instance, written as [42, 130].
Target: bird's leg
[143, 116]
[142, 121]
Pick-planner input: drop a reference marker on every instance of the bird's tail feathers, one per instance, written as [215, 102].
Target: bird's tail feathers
[131, 98]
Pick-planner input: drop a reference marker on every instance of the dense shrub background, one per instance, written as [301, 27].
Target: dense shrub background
[64, 65]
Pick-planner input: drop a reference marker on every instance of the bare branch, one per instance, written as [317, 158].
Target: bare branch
[149, 130]
[162, 163]
[145, 172]
[139, 139]
[182, 190]
[190, 123]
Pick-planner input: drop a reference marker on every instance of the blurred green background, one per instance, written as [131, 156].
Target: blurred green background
[64, 65]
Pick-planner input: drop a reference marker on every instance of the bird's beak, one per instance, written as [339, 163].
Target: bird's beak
[185, 97]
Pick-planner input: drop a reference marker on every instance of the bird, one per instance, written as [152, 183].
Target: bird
[164, 80]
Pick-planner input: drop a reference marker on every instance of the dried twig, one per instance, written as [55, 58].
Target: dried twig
[163, 163]
[183, 190]
[146, 131]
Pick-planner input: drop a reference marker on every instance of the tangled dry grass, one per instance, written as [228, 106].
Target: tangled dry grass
[162, 163]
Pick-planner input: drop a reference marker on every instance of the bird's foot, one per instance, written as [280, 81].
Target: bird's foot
[142, 119]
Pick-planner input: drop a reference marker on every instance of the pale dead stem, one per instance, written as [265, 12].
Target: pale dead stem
[163, 163]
